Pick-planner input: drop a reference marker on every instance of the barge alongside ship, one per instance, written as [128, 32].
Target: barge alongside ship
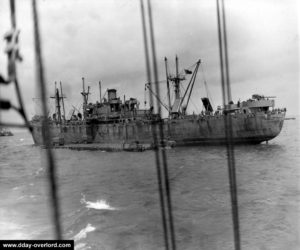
[113, 123]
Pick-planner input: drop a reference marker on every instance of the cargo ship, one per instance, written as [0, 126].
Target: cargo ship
[115, 123]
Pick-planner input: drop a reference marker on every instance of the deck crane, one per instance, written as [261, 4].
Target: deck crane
[177, 107]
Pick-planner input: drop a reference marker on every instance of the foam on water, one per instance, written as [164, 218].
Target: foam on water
[10, 230]
[268, 192]
[99, 204]
[21, 197]
[80, 246]
[40, 171]
[83, 233]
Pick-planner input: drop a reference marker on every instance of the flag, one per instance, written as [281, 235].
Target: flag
[188, 71]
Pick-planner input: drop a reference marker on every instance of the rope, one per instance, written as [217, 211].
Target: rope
[226, 92]
[15, 80]
[160, 155]
[46, 134]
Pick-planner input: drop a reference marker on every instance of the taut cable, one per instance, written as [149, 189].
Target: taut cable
[46, 134]
[226, 93]
[154, 135]
[160, 155]
[13, 67]
[161, 131]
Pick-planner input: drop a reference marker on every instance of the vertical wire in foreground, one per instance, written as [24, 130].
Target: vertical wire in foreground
[161, 130]
[162, 172]
[231, 145]
[46, 132]
[15, 80]
[157, 160]
[228, 122]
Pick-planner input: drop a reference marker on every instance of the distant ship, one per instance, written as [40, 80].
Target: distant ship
[5, 132]
[118, 123]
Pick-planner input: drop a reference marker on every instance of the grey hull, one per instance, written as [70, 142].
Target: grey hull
[193, 130]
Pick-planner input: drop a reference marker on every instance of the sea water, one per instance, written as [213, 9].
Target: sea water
[110, 200]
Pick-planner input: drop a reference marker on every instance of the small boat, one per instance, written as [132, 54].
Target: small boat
[5, 132]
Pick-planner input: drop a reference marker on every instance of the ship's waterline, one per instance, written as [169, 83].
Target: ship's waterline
[195, 130]
[116, 122]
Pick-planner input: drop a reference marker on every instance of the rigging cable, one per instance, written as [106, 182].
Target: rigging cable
[163, 152]
[13, 55]
[162, 172]
[149, 78]
[21, 109]
[46, 135]
[228, 121]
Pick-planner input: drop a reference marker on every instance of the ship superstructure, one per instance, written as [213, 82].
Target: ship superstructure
[118, 121]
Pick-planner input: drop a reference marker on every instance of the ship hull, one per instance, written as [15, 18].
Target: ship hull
[192, 130]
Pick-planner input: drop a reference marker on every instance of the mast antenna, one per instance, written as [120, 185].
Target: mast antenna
[100, 91]
[177, 80]
[168, 85]
[57, 102]
[62, 100]
[85, 97]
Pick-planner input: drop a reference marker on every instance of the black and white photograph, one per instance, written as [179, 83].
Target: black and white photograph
[150, 125]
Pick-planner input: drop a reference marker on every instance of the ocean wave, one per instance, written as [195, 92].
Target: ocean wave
[2, 165]
[99, 204]
[83, 233]
[40, 171]
[21, 197]
[33, 197]
[80, 246]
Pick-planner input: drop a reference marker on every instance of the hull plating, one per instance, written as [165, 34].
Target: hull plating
[193, 130]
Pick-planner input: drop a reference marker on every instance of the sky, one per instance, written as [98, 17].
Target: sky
[102, 40]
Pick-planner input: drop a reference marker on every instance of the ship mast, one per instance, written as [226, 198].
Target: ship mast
[85, 97]
[177, 105]
[177, 81]
[84, 94]
[100, 91]
[168, 85]
[62, 100]
[57, 98]
[57, 102]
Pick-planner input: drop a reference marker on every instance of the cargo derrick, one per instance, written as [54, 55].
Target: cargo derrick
[116, 122]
